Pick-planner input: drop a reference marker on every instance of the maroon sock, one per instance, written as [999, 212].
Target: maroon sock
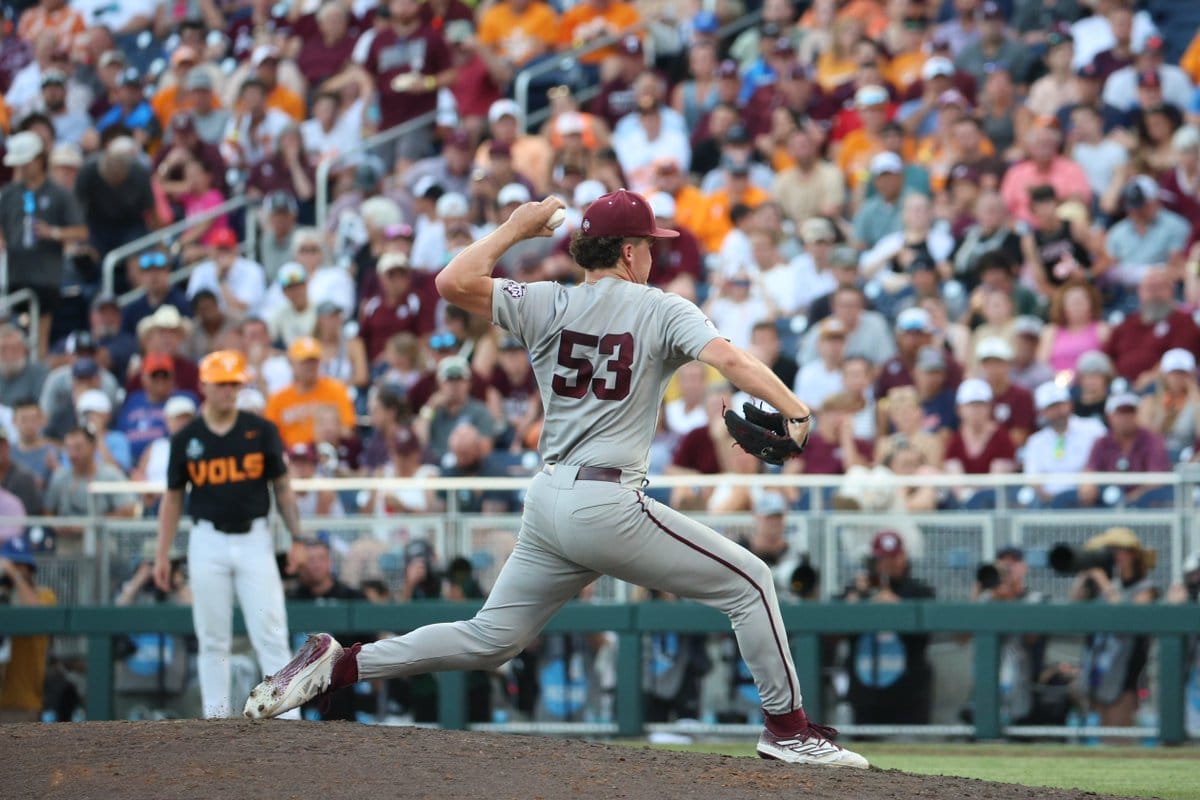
[345, 669]
[787, 724]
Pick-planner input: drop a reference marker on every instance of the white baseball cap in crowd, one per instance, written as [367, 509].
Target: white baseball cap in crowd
[663, 205]
[770, 504]
[93, 400]
[1028, 325]
[1120, 400]
[886, 161]
[937, 67]
[914, 320]
[588, 192]
[178, 406]
[453, 204]
[512, 193]
[973, 390]
[453, 368]
[21, 148]
[870, 95]
[390, 261]
[1049, 394]
[1178, 360]
[994, 347]
[503, 107]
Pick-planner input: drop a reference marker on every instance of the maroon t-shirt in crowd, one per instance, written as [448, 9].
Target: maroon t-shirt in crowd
[999, 446]
[893, 374]
[1146, 453]
[423, 52]
[379, 320]
[670, 258]
[316, 60]
[1013, 408]
[1137, 346]
[474, 89]
[823, 457]
[516, 395]
[697, 451]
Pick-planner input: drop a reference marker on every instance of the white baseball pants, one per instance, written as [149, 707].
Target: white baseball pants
[220, 565]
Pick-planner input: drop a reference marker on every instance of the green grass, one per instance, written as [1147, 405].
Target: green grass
[1168, 773]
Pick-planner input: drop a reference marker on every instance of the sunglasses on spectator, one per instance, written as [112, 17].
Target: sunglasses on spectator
[443, 341]
[154, 260]
[309, 248]
[160, 374]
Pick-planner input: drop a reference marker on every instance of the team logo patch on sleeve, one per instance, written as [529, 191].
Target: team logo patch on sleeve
[195, 449]
[513, 289]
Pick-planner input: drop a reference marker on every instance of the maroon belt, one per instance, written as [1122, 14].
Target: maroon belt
[608, 474]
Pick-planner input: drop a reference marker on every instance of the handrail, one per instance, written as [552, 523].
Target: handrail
[383, 137]
[10, 299]
[116, 255]
[526, 76]
[704, 481]
[562, 61]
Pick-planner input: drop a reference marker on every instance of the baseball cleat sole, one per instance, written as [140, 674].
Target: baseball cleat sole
[305, 676]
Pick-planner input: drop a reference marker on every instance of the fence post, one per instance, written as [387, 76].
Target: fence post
[99, 676]
[452, 700]
[987, 685]
[1172, 674]
[630, 716]
[806, 654]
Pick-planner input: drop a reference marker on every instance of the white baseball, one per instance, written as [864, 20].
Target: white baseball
[557, 218]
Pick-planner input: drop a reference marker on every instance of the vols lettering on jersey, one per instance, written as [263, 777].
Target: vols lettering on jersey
[226, 469]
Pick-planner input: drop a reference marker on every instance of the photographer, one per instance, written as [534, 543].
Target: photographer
[1112, 664]
[890, 678]
[1032, 692]
[25, 675]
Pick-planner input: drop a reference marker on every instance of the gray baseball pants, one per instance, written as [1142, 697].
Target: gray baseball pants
[572, 532]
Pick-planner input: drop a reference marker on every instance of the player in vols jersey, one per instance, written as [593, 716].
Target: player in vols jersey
[603, 352]
[230, 460]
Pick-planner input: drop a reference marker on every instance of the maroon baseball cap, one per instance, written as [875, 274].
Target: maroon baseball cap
[886, 543]
[622, 214]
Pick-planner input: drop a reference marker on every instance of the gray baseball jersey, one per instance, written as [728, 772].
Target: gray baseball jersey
[602, 354]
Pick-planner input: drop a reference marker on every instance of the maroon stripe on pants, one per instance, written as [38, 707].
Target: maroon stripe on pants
[761, 594]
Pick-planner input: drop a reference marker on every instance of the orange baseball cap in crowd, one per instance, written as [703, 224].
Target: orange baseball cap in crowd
[304, 348]
[223, 366]
[158, 362]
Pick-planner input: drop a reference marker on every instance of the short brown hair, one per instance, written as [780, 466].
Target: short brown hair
[597, 252]
[1058, 314]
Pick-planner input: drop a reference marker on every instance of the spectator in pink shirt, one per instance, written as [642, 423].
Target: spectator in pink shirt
[1044, 165]
[200, 197]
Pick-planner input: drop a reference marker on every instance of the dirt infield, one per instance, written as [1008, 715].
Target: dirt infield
[269, 760]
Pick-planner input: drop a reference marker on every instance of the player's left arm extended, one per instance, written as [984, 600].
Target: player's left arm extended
[756, 379]
[467, 280]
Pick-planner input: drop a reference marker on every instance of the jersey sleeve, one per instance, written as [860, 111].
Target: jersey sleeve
[177, 474]
[685, 329]
[273, 466]
[523, 309]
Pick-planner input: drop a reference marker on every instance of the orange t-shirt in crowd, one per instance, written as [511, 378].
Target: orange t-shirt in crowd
[617, 18]
[935, 157]
[63, 23]
[517, 37]
[691, 210]
[832, 72]
[905, 69]
[168, 101]
[856, 151]
[288, 102]
[718, 224]
[293, 411]
[1190, 63]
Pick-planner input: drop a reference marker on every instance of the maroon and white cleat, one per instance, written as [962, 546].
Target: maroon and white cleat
[809, 743]
[307, 675]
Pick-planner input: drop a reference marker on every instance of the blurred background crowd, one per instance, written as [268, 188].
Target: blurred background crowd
[966, 232]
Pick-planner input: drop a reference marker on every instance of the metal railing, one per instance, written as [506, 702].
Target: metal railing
[370, 143]
[116, 256]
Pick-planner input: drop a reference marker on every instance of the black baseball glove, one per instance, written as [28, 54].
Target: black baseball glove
[763, 434]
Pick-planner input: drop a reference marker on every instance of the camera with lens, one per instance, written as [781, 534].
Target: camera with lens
[804, 578]
[988, 577]
[1071, 560]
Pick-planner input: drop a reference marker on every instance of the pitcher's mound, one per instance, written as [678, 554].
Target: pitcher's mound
[327, 761]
